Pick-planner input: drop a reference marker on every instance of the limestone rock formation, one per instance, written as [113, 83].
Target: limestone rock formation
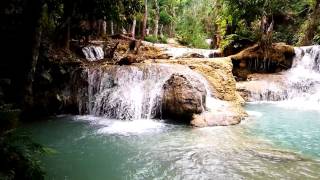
[227, 109]
[256, 60]
[183, 97]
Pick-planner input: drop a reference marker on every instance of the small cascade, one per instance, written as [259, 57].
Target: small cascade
[264, 91]
[132, 92]
[300, 84]
[304, 76]
[177, 52]
[93, 53]
[185, 52]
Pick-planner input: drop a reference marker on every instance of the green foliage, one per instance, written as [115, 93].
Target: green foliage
[154, 39]
[316, 39]
[250, 32]
[193, 25]
[151, 38]
[18, 157]
[190, 33]
[288, 16]
[228, 40]
[165, 18]
[231, 39]
[163, 39]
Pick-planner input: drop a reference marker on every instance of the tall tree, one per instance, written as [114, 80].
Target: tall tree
[68, 7]
[145, 19]
[33, 21]
[157, 18]
[133, 28]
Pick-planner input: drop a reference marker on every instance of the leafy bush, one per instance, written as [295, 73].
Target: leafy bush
[18, 157]
[230, 40]
[151, 38]
[191, 33]
[163, 39]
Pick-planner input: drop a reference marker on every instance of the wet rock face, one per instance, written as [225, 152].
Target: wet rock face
[183, 97]
[58, 87]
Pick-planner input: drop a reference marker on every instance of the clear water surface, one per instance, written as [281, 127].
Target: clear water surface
[274, 142]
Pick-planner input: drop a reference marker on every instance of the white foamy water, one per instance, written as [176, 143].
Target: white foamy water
[180, 52]
[135, 92]
[93, 53]
[298, 87]
[125, 128]
[176, 52]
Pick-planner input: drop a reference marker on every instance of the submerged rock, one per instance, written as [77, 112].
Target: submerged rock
[183, 97]
[222, 117]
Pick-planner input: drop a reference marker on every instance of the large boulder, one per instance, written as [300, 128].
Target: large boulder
[183, 97]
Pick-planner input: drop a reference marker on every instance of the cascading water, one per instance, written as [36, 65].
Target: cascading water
[304, 77]
[93, 53]
[181, 52]
[300, 84]
[132, 92]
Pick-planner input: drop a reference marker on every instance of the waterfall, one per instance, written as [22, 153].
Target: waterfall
[93, 53]
[132, 92]
[304, 76]
[300, 85]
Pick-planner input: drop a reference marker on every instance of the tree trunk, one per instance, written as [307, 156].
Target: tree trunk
[112, 27]
[312, 26]
[215, 38]
[123, 30]
[139, 28]
[68, 12]
[145, 19]
[172, 24]
[161, 30]
[104, 28]
[157, 18]
[36, 9]
[133, 28]
[266, 31]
